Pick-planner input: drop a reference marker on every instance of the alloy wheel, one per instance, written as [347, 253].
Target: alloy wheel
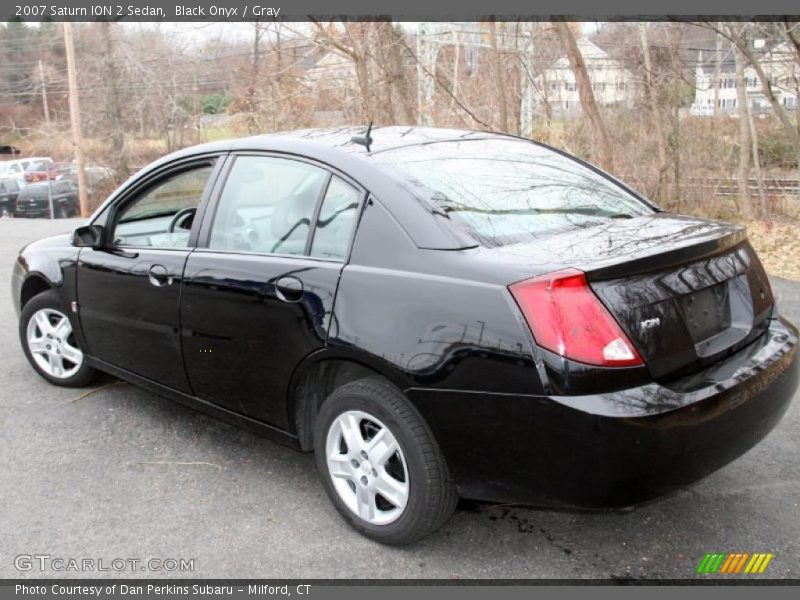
[52, 343]
[367, 467]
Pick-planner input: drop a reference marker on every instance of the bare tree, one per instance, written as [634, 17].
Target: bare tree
[499, 76]
[745, 140]
[662, 193]
[352, 45]
[113, 102]
[393, 66]
[767, 86]
[605, 153]
[255, 72]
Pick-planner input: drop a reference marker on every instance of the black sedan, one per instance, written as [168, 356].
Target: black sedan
[434, 313]
[36, 200]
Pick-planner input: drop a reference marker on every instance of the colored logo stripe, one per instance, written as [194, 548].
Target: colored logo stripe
[725, 563]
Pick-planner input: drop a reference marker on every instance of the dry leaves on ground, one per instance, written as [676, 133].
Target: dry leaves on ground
[777, 243]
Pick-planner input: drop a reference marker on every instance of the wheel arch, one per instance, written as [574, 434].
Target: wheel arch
[34, 284]
[318, 376]
[38, 267]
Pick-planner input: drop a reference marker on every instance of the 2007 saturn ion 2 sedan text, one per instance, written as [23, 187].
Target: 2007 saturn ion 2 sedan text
[435, 313]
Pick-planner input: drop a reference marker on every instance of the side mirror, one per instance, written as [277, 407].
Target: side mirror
[88, 236]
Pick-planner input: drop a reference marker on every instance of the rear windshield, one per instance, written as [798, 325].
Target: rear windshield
[509, 191]
[38, 165]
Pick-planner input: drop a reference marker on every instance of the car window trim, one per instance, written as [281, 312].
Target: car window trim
[265, 254]
[210, 215]
[362, 200]
[216, 160]
[312, 229]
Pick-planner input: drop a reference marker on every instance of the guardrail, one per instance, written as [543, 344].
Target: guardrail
[773, 186]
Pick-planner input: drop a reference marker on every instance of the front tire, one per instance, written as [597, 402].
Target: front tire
[49, 342]
[380, 464]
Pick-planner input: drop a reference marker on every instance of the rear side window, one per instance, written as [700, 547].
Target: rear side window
[508, 191]
[267, 205]
[336, 221]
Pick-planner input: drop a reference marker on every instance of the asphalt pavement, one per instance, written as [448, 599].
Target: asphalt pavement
[124, 474]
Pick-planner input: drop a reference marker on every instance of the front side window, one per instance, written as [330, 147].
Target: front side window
[267, 206]
[163, 215]
[336, 221]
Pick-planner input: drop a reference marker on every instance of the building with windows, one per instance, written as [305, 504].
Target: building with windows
[612, 83]
[716, 84]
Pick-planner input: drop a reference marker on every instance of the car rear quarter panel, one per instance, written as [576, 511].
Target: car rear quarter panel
[419, 314]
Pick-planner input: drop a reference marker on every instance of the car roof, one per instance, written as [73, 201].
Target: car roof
[335, 148]
[338, 138]
[383, 138]
[27, 158]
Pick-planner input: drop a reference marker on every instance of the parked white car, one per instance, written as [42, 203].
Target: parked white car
[16, 168]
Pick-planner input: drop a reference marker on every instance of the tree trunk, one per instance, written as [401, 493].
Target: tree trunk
[114, 105]
[357, 33]
[252, 86]
[716, 82]
[499, 75]
[456, 71]
[763, 209]
[745, 140]
[605, 153]
[662, 192]
[396, 72]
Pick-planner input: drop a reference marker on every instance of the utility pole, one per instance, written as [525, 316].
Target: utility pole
[75, 117]
[44, 94]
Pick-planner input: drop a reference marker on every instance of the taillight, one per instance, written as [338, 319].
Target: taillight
[567, 318]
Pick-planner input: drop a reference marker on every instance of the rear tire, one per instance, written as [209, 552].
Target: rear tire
[46, 332]
[370, 441]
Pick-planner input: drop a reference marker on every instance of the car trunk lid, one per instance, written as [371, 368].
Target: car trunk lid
[687, 291]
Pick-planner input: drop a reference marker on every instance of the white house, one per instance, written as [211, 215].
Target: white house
[779, 65]
[612, 83]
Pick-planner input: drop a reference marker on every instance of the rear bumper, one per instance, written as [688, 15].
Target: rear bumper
[615, 449]
[32, 212]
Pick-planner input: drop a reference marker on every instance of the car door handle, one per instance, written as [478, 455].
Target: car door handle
[159, 276]
[289, 289]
